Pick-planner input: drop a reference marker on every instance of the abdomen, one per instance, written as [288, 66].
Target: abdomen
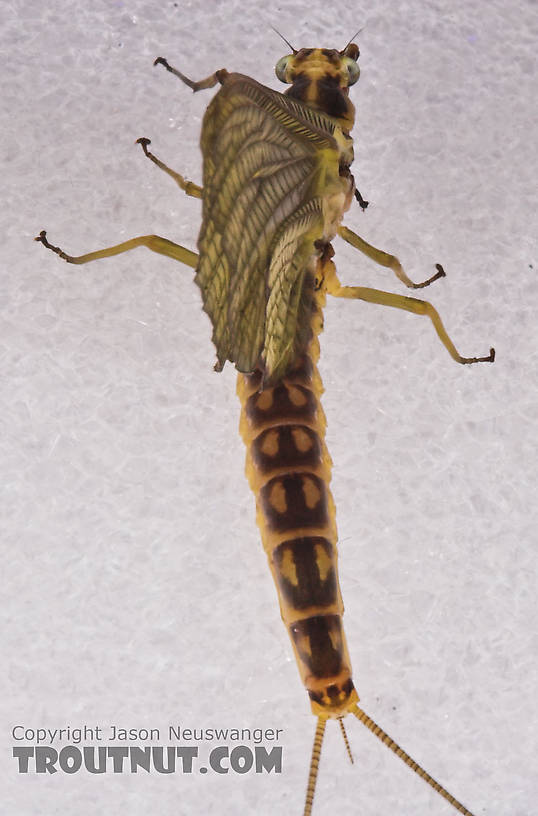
[289, 469]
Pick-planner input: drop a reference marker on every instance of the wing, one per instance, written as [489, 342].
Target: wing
[268, 163]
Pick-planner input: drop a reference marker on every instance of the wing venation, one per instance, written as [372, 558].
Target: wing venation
[266, 162]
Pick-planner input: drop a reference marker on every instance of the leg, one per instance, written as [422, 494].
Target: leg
[384, 259]
[414, 305]
[190, 188]
[362, 203]
[153, 242]
[209, 82]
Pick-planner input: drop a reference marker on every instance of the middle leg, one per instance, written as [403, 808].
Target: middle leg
[384, 259]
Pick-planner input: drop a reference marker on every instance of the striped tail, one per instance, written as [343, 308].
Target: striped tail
[289, 469]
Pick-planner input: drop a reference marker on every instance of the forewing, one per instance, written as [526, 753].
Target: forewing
[262, 211]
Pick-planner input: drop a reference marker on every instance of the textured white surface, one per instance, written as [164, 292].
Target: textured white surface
[135, 590]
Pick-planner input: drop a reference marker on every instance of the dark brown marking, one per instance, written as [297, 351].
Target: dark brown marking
[332, 55]
[254, 379]
[305, 570]
[299, 87]
[333, 694]
[278, 406]
[293, 445]
[330, 97]
[303, 54]
[300, 371]
[295, 513]
[319, 643]
[326, 249]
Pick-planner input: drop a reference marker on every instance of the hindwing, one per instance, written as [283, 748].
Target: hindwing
[268, 162]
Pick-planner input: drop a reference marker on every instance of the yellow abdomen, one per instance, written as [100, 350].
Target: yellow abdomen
[289, 469]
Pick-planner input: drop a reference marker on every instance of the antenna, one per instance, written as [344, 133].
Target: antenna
[351, 40]
[285, 40]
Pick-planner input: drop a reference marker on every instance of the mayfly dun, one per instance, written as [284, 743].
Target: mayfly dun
[276, 184]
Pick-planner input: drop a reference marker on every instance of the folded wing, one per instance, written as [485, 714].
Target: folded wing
[267, 159]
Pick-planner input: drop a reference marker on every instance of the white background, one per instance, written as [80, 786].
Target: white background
[135, 590]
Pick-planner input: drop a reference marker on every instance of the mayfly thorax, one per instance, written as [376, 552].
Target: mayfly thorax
[276, 184]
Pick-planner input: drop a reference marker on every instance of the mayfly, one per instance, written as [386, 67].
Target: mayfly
[276, 184]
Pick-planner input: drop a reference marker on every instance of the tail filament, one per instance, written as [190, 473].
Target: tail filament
[389, 742]
[344, 736]
[314, 763]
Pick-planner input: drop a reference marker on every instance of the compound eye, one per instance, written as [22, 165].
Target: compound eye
[281, 68]
[353, 70]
